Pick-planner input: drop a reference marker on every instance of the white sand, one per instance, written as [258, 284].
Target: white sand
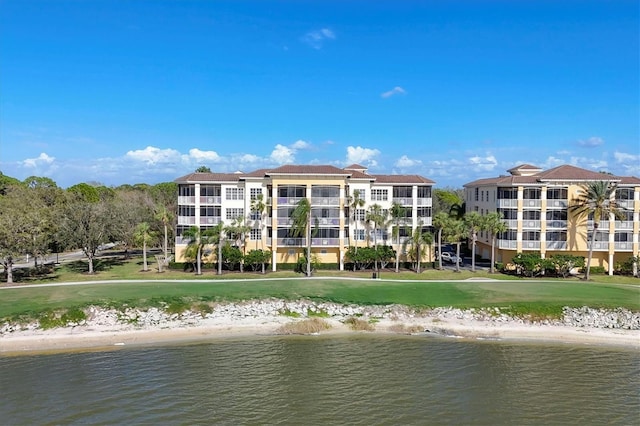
[114, 337]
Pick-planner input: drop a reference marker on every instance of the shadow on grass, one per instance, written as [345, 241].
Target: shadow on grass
[99, 265]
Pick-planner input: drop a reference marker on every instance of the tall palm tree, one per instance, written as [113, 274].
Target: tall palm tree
[494, 224]
[418, 240]
[596, 198]
[259, 206]
[194, 234]
[455, 230]
[302, 227]
[398, 212]
[440, 222]
[165, 217]
[377, 216]
[474, 223]
[355, 202]
[143, 234]
[238, 230]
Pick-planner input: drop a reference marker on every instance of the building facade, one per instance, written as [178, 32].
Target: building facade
[207, 199]
[535, 205]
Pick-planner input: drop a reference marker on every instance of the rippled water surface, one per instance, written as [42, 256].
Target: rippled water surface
[367, 380]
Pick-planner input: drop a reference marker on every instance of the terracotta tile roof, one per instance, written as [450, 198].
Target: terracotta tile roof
[356, 167]
[629, 180]
[405, 179]
[209, 177]
[292, 169]
[260, 173]
[567, 172]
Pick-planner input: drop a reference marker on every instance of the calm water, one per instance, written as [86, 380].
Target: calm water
[359, 380]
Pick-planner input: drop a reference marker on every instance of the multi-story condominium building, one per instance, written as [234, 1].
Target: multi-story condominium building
[206, 199]
[535, 205]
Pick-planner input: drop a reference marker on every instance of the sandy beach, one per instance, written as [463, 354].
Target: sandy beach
[92, 337]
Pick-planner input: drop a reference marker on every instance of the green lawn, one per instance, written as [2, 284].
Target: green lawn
[537, 297]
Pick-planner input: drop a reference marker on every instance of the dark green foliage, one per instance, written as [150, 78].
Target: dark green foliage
[530, 264]
[598, 270]
[231, 257]
[565, 263]
[626, 267]
[255, 258]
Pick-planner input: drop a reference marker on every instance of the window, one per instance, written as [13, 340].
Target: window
[424, 192]
[234, 213]
[255, 235]
[509, 214]
[477, 192]
[360, 214]
[531, 236]
[623, 237]
[209, 191]
[186, 210]
[481, 196]
[556, 235]
[531, 193]
[531, 215]
[210, 211]
[507, 193]
[254, 215]
[510, 235]
[402, 192]
[187, 190]
[362, 193]
[557, 215]
[234, 193]
[424, 212]
[557, 194]
[292, 191]
[325, 191]
[379, 194]
[358, 234]
[624, 194]
[254, 192]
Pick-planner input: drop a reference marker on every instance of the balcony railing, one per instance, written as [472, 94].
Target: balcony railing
[528, 203]
[556, 224]
[624, 224]
[403, 201]
[601, 245]
[327, 221]
[325, 241]
[526, 223]
[186, 200]
[626, 204]
[425, 202]
[603, 224]
[507, 203]
[511, 223]
[289, 200]
[556, 245]
[507, 244]
[285, 221]
[186, 220]
[210, 220]
[322, 201]
[291, 241]
[557, 204]
[530, 245]
[623, 245]
[211, 200]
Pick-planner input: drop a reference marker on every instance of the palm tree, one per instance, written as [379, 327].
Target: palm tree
[194, 235]
[355, 202]
[494, 224]
[259, 206]
[418, 240]
[474, 223]
[302, 227]
[238, 230]
[397, 212]
[596, 199]
[143, 234]
[165, 217]
[378, 216]
[440, 222]
[455, 230]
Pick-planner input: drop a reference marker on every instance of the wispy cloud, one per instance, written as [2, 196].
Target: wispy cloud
[405, 162]
[364, 156]
[484, 164]
[42, 159]
[592, 142]
[317, 38]
[395, 91]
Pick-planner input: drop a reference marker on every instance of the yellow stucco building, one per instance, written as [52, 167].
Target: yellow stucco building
[535, 205]
[206, 199]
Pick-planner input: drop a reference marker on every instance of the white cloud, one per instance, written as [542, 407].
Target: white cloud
[42, 159]
[198, 155]
[630, 163]
[300, 144]
[405, 162]
[249, 158]
[623, 157]
[592, 142]
[282, 155]
[552, 162]
[395, 91]
[364, 156]
[153, 155]
[317, 38]
[486, 164]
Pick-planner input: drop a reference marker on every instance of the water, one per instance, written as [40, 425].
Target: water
[354, 380]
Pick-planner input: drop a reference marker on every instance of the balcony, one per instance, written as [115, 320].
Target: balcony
[292, 201]
[625, 204]
[534, 224]
[327, 221]
[298, 242]
[623, 246]
[186, 200]
[325, 242]
[210, 220]
[603, 224]
[561, 224]
[322, 201]
[186, 220]
[530, 245]
[211, 200]
[511, 223]
[508, 203]
[557, 204]
[403, 201]
[425, 202]
[556, 245]
[625, 224]
[529, 203]
[285, 221]
[507, 244]
[601, 245]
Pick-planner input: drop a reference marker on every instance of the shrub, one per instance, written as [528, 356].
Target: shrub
[359, 324]
[597, 270]
[308, 326]
[403, 329]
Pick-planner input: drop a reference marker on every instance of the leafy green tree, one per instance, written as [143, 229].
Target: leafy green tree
[302, 227]
[419, 239]
[231, 256]
[377, 216]
[15, 237]
[355, 202]
[440, 222]
[598, 200]
[198, 240]
[565, 263]
[474, 224]
[531, 264]
[398, 212]
[494, 224]
[259, 206]
[238, 230]
[144, 235]
[203, 169]
[454, 232]
[255, 258]
[445, 198]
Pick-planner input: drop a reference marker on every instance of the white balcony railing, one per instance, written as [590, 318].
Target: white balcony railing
[507, 244]
[507, 203]
[321, 201]
[601, 245]
[556, 224]
[211, 200]
[185, 200]
[530, 245]
[626, 204]
[425, 202]
[210, 220]
[625, 224]
[186, 220]
[512, 224]
[325, 242]
[557, 204]
[291, 241]
[531, 203]
[403, 201]
[556, 245]
[535, 224]
[292, 201]
[623, 245]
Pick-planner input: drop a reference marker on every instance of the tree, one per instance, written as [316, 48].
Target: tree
[440, 222]
[144, 235]
[455, 231]
[259, 206]
[302, 227]
[596, 199]
[198, 240]
[377, 216]
[14, 226]
[165, 217]
[355, 202]
[238, 230]
[418, 240]
[494, 224]
[474, 223]
[445, 198]
[398, 212]
[203, 169]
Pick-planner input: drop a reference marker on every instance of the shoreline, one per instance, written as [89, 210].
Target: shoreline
[118, 336]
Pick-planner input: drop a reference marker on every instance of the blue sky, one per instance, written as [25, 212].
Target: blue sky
[146, 91]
